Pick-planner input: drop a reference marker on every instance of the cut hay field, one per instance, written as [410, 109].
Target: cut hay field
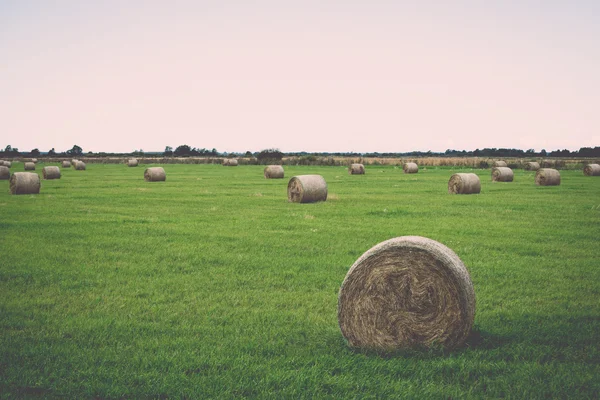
[212, 285]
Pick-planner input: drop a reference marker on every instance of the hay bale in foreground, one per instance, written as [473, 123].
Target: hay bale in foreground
[274, 172]
[410, 168]
[4, 172]
[155, 174]
[132, 162]
[406, 292]
[29, 166]
[66, 164]
[25, 183]
[592, 170]
[464, 183]
[500, 163]
[356, 169]
[80, 166]
[502, 174]
[51, 172]
[531, 166]
[307, 189]
[547, 177]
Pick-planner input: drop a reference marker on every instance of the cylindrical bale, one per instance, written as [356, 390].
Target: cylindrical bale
[547, 163]
[531, 166]
[74, 161]
[547, 177]
[132, 162]
[225, 162]
[356, 169]
[155, 174]
[51, 172]
[406, 292]
[502, 174]
[29, 166]
[4, 172]
[232, 163]
[464, 183]
[66, 164]
[25, 183]
[7, 164]
[410, 168]
[592, 170]
[307, 189]
[500, 163]
[80, 166]
[34, 160]
[274, 172]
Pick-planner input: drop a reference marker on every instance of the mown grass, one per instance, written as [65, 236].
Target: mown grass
[212, 285]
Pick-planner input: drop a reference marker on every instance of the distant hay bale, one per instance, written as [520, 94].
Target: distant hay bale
[502, 174]
[547, 177]
[51, 172]
[356, 169]
[307, 189]
[532, 166]
[547, 163]
[410, 168]
[4, 172]
[25, 183]
[29, 166]
[132, 162]
[34, 160]
[231, 162]
[592, 170]
[74, 161]
[7, 164]
[155, 174]
[464, 183]
[225, 162]
[407, 292]
[500, 163]
[80, 166]
[66, 164]
[273, 172]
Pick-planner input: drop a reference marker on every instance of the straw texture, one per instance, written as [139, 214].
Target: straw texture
[592, 170]
[29, 166]
[464, 183]
[66, 164]
[51, 172]
[547, 177]
[356, 169]
[274, 172]
[4, 172]
[532, 166]
[132, 162]
[155, 174]
[25, 183]
[410, 168]
[230, 162]
[307, 189]
[502, 174]
[79, 166]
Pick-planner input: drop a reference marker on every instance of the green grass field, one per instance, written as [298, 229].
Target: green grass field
[212, 285]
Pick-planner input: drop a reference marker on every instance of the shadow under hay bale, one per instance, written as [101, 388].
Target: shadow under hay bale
[547, 177]
[531, 166]
[502, 174]
[4, 172]
[410, 168]
[29, 166]
[464, 183]
[155, 174]
[404, 293]
[500, 163]
[25, 183]
[307, 189]
[51, 172]
[80, 166]
[356, 169]
[132, 162]
[274, 172]
[591, 170]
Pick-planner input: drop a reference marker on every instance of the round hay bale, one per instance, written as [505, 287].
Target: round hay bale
[406, 292]
[410, 168]
[225, 162]
[500, 163]
[51, 172]
[592, 170]
[34, 160]
[547, 177]
[132, 162]
[464, 183]
[29, 166]
[547, 163]
[274, 172]
[155, 174]
[7, 164]
[66, 164]
[24, 183]
[356, 169]
[80, 166]
[531, 166]
[502, 174]
[307, 189]
[74, 161]
[4, 172]
[231, 162]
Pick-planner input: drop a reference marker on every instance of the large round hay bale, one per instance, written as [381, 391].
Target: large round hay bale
[592, 170]
[4, 172]
[410, 168]
[24, 183]
[406, 292]
[531, 166]
[51, 172]
[464, 183]
[356, 169]
[502, 174]
[132, 162]
[80, 166]
[66, 164]
[307, 189]
[273, 172]
[547, 177]
[155, 174]
[500, 163]
[29, 166]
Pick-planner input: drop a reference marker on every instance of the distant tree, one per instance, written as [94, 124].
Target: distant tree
[248, 154]
[35, 153]
[168, 151]
[52, 152]
[543, 153]
[183, 150]
[269, 155]
[75, 151]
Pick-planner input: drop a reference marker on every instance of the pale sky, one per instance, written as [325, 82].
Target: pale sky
[363, 76]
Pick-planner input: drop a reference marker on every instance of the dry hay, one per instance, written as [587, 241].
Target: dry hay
[592, 170]
[464, 183]
[274, 172]
[502, 174]
[4, 172]
[74, 161]
[406, 292]
[500, 163]
[547, 163]
[356, 169]
[29, 166]
[547, 177]
[307, 189]
[51, 172]
[132, 162]
[155, 174]
[66, 164]
[230, 162]
[24, 183]
[532, 166]
[7, 164]
[410, 168]
[34, 160]
[80, 166]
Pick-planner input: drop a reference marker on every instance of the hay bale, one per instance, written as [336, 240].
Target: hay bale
[225, 162]
[24, 183]
[307, 189]
[532, 166]
[464, 183]
[132, 162]
[591, 170]
[406, 292]
[410, 168]
[7, 164]
[4, 172]
[29, 166]
[66, 164]
[356, 169]
[74, 161]
[155, 174]
[502, 174]
[500, 163]
[80, 166]
[547, 177]
[274, 172]
[34, 160]
[547, 163]
[51, 172]
[230, 162]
